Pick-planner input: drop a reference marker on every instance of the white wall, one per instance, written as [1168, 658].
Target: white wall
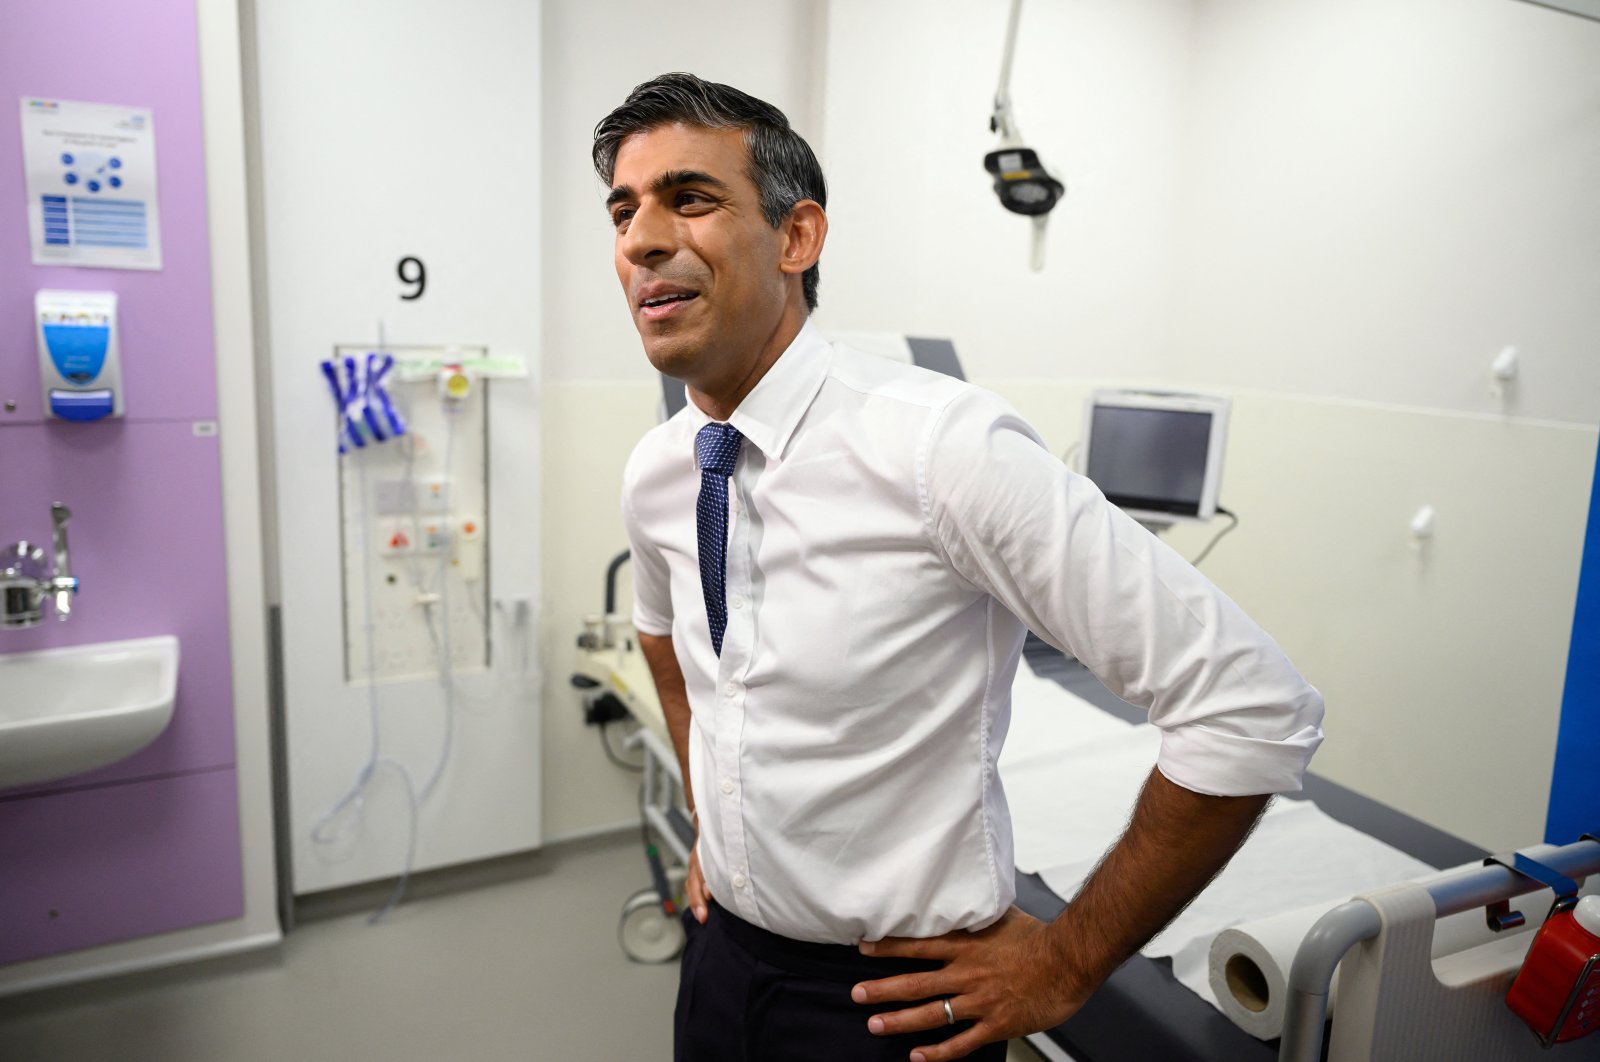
[917, 240]
[1380, 194]
[393, 128]
[1442, 667]
[600, 394]
[1338, 212]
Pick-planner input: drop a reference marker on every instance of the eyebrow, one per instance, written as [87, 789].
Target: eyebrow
[665, 182]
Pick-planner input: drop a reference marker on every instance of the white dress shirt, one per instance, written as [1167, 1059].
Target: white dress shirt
[892, 535]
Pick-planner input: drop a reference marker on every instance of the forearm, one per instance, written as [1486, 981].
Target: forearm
[1175, 844]
[674, 697]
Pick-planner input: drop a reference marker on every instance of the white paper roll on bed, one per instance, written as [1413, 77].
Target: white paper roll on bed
[1249, 969]
[1249, 964]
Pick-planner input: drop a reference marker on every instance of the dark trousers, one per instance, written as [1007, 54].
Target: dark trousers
[747, 995]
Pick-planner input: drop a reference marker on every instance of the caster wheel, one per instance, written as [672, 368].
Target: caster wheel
[647, 933]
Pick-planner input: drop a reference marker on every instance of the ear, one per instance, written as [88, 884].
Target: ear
[804, 232]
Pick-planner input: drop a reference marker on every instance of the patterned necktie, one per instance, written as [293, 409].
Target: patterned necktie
[716, 450]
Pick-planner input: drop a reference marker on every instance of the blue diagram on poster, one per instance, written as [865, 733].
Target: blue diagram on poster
[91, 184]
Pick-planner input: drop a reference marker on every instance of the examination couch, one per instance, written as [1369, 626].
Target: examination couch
[1142, 1011]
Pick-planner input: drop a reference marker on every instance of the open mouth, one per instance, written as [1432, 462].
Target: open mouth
[662, 306]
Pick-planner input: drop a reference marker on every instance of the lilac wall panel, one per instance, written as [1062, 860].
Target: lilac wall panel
[150, 844]
[124, 861]
[138, 55]
[146, 537]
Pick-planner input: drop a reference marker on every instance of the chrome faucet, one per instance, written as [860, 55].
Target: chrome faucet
[25, 583]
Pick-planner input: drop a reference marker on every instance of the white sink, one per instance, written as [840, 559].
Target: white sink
[67, 711]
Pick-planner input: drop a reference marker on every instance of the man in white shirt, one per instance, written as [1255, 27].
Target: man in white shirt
[836, 559]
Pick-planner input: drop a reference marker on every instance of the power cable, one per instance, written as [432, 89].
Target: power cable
[1218, 537]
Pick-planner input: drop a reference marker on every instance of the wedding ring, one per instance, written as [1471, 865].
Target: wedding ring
[949, 1015]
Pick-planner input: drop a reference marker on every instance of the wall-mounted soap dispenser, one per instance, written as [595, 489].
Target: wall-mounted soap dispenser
[80, 363]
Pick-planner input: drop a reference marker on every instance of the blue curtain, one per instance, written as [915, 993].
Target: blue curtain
[1575, 787]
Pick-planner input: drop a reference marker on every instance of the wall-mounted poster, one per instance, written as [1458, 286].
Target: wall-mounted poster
[91, 184]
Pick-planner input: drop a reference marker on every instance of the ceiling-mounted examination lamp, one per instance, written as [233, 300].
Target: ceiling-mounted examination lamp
[1020, 179]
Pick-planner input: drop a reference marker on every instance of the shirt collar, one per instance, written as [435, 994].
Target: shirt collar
[772, 410]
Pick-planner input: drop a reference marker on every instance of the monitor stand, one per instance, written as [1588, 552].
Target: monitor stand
[1155, 526]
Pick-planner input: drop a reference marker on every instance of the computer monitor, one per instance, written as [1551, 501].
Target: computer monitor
[1157, 455]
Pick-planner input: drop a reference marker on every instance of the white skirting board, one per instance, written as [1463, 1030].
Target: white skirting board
[144, 963]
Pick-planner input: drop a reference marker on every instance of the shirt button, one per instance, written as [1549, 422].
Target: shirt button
[738, 881]
[736, 601]
[727, 785]
[731, 689]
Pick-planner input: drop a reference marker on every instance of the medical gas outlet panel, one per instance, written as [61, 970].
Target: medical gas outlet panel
[414, 514]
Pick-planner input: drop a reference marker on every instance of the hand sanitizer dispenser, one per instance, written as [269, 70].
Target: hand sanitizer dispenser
[79, 361]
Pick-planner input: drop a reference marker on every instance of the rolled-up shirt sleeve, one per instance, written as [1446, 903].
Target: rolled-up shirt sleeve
[652, 583]
[1236, 717]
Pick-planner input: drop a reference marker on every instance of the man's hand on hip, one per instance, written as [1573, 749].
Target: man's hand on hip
[1009, 979]
[1020, 976]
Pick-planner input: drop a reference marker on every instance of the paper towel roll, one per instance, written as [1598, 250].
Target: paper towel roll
[1249, 969]
[1249, 964]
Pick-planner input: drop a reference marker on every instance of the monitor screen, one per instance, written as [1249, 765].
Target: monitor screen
[1151, 459]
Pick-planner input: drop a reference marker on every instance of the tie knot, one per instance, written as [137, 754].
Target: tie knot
[716, 448]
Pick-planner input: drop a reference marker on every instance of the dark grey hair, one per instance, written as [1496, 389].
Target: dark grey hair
[782, 165]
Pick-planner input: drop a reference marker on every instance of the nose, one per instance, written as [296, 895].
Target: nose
[651, 235]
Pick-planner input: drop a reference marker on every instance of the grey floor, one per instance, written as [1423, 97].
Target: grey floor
[516, 959]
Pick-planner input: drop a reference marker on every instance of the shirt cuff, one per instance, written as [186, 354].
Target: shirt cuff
[1215, 763]
[644, 623]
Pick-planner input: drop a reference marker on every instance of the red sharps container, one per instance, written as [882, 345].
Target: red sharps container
[1557, 991]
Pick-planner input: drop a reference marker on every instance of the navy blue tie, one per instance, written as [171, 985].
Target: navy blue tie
[716, 451]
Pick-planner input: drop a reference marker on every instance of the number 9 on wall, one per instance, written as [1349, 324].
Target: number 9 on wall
[412, 271]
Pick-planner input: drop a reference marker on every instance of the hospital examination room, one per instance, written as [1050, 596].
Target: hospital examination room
[777, 530]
